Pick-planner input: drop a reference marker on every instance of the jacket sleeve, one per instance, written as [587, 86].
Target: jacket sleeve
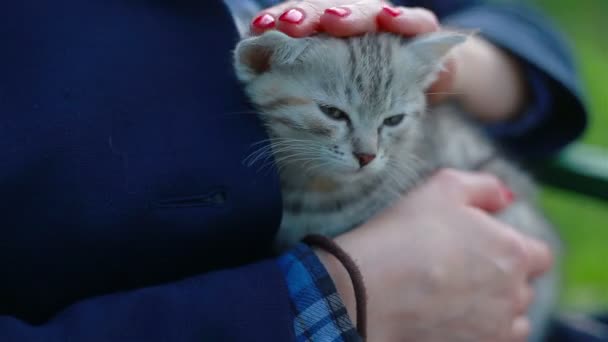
[219, 306]
[556, 114]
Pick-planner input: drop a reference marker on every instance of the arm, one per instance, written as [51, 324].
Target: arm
[417, 293]
[249, 303]
[543, 109]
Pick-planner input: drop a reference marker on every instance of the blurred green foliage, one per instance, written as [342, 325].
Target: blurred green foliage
[586, 24]
[583, 222]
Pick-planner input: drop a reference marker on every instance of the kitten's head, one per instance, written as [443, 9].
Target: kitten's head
[341, 108]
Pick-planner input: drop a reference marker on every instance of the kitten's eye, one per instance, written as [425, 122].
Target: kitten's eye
[334, 113]
[394, 120]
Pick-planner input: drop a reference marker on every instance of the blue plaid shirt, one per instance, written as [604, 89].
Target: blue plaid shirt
[319, 313]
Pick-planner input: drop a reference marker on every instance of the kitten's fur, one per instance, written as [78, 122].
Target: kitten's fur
[370, 78]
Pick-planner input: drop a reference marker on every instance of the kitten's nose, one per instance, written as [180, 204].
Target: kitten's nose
[364, 158]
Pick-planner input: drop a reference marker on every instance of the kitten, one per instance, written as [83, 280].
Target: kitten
[350, 132]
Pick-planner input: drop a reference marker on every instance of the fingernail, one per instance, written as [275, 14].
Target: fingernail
[338, 11]
[293, 16]
[264, 21]
[393, 12]
[508, 194]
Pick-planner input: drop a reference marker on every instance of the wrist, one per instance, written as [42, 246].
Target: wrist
[489, 82]
[341, 280]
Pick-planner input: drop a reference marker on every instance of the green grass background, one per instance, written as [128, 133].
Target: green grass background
[583, 222]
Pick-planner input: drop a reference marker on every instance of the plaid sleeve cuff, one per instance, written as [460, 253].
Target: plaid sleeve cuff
[319, 313]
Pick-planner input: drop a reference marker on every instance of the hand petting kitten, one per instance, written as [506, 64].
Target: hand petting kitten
[470, 76]
[343, 18]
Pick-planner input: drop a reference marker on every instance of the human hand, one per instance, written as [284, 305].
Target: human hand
[437, 267]
[469, 76]
[343, 18]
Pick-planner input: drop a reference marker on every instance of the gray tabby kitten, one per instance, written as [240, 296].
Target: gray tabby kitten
[350, 132]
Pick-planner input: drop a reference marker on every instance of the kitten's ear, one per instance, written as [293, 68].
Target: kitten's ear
[429, 52]
[257, 55]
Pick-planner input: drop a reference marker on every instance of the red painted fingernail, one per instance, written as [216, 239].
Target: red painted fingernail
[393, 12]
[338, 11]
[508, 194]
[293, 16]
[264, 21]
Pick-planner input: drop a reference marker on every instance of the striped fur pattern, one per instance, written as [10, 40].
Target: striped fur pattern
[325, 101]
[369, 79]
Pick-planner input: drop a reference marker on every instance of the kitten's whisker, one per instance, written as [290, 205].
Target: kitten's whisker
[443, 93]
[299, 157]
[310, 166]
[284, 160]
[318, 166]
[279, 148]
[275, 148]
[281, 156]
[295, 160]
[256, 155]
[268, 140]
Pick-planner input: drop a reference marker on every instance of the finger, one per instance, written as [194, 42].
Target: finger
[300, 21]
[540, 257]
[479, 190]
[267, 19]
[487, 192]
[350, 20]
[520, 328]
[407, 21]
[524, 299]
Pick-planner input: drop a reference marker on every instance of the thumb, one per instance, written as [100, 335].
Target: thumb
[479, 190]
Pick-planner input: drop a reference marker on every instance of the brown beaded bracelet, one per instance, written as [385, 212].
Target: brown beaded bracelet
[328, 245]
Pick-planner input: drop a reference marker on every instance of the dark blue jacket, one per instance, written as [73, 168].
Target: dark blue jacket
[126, 211]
